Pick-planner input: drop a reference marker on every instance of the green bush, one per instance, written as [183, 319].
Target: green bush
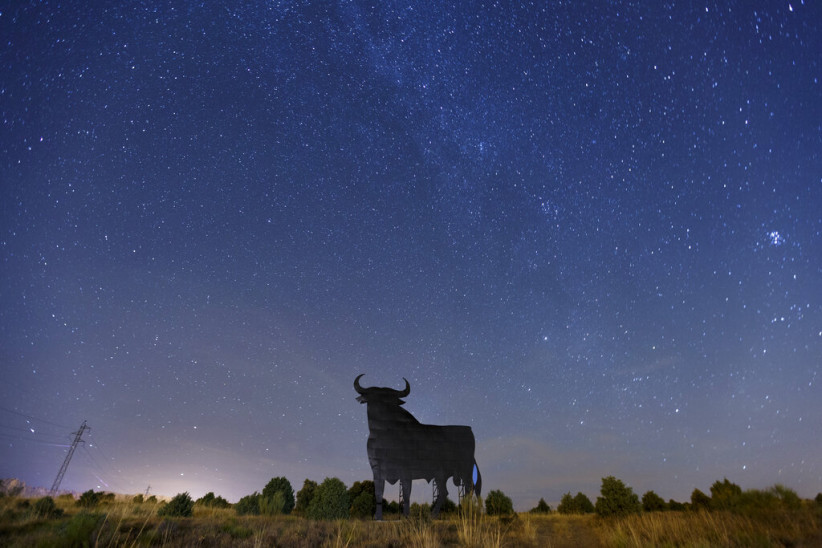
[248, 505]
[279, 485]
[676, 506]
[651, 502]
[541, 508]
[89, 499]
[210, 501]
[498, 504]
[449, 507]
[79, 529]
[363, 502]
[420, 511]
[725, 495]
[363, 505]
[699, 500]
[138, 499]
[617, 499]
[46, 508]
[330, 500]
[181, 506]
[578, 504]
[304, 497]
[272, 505]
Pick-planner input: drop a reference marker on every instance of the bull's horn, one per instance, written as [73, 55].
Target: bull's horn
[357, 387]
[407, 389]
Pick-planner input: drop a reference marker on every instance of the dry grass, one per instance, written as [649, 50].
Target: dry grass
[802, 527]
[128, 524]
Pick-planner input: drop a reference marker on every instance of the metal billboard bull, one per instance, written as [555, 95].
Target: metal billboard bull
[400, 448]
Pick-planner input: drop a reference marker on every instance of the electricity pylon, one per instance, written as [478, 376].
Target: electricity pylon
[77, 435]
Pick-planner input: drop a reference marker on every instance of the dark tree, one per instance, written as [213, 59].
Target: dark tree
[699, 500]
[304, 497]
[651, 502]
[449, 507]
[211, 501]
[138, 499]
[330, 500]
[280, 485]
[180, 506]
[818, 498]
[45, 508]
[578, 504]
[583, 504]
[541, 508]
[89, 499]
[676, 506]
[248, 505]
[617, 499]
[361, 495]
[497, 504]
[725, 495]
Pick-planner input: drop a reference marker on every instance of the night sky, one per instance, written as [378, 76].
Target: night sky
[592, 231]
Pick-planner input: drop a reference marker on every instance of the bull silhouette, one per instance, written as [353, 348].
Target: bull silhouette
[400, 448]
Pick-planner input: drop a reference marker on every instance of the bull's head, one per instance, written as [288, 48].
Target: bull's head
[382, 395]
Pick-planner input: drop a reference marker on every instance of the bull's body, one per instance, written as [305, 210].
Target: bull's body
[401, 449]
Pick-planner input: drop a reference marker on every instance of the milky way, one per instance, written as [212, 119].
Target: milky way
[591, 231]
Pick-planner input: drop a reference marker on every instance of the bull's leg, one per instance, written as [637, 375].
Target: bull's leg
[379, 487]
[405, 496]
[442, 493]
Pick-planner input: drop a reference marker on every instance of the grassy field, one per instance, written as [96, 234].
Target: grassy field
[131, 524]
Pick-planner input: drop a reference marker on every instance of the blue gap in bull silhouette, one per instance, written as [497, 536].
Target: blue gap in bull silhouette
[402, 449]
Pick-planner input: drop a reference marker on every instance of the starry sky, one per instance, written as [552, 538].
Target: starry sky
[590, 230]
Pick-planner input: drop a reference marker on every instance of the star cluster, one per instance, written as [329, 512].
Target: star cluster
[590, 230]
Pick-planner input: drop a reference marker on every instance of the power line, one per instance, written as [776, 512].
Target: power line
[61, 426]
[52, 443]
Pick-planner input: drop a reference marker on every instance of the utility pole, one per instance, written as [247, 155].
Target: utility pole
[77, 435]
[147, 490]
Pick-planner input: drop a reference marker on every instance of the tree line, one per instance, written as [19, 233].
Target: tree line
[331, 499]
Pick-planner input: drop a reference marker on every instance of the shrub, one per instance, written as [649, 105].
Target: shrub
[304, 497]
[272, 505]
[677, 506]
[210, 501]
[248, 505]
[46, 508]
[138, 499]
[541, 508]
[89, 499]
[651, 502]
[420, 511]
[79, 529]
[617, 499]
[578, 504]
[449, 507]
[363, 503]
[330, 500]
[280, 485]
[725, 495]
[180, 506]
[497, 504]
[699, 500]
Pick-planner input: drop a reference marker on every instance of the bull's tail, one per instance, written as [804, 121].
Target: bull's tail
[477, 479]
